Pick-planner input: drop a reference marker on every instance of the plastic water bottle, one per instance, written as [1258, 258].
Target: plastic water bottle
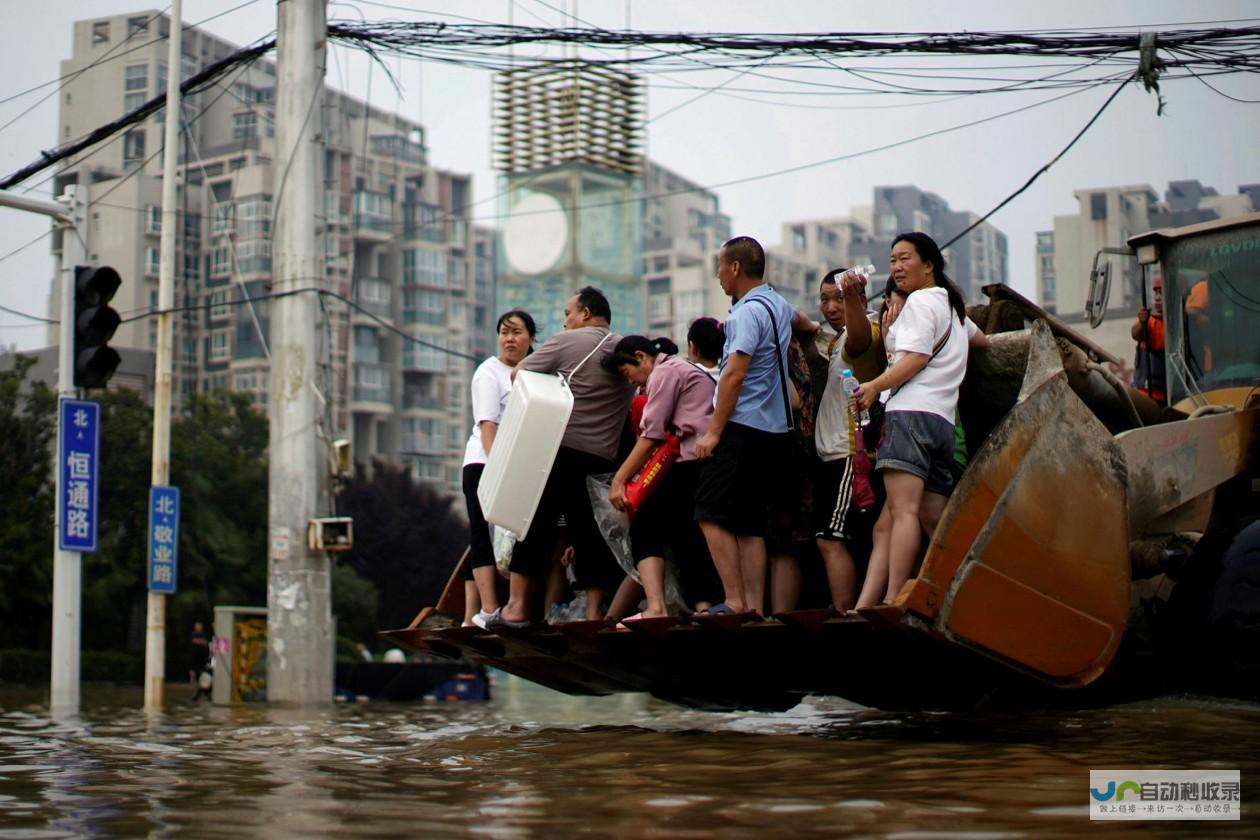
[866, 272]
[851, 385]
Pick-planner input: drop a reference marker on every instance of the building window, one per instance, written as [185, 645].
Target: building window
[152, 260]
[422, 267]
[219, 350]
[100, 32]
[152, 219]
[244, 125]
[136, 25]
[133, 148]
[136, 77]
[220, 262]
[1098, 206]
[221, 218]
[192, 267]
[218, 303]
[132, 101]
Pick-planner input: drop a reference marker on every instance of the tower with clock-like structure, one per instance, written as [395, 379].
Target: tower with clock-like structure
[567, 143]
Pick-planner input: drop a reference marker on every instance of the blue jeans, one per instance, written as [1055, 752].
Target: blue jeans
[920, 443]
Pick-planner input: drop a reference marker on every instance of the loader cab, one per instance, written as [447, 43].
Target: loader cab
[1211, 286]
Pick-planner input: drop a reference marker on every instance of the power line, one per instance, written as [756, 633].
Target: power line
[239, 58]
[1040, 171]
[411, 337]
[103, 60]
[28, 316]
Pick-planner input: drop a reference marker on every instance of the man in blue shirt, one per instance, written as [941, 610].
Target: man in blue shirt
[747, 443]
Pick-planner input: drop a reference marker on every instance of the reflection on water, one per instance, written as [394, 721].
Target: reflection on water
[532, 763]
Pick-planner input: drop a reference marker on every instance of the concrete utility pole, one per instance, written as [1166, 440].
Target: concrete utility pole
[299, 615]
[70, 214]
[155, 622]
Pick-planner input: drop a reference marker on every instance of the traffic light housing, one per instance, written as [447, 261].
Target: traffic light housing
[94, 325]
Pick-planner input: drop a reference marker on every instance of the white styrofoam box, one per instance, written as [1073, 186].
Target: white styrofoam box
[524, 450]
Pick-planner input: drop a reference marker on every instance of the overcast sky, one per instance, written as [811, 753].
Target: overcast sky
[719, 138]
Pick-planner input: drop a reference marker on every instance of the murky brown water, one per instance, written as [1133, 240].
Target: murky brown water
[536, 764]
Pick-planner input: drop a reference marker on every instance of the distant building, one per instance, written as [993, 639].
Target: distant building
[978, 260]
[809, 249]
[1107, 217]
[683, 228]
[396, 242]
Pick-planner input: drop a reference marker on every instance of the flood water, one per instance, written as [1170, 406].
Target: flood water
[532, 763]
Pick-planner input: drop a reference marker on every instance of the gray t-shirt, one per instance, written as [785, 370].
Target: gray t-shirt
[601, 400]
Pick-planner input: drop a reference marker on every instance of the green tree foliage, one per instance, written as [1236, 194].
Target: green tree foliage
[407, 535]
[407, 539]
[219, 462]
[28, 435]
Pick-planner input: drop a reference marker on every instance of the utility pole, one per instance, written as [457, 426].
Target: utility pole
[70, 214]
[299, 615]
[155, 621]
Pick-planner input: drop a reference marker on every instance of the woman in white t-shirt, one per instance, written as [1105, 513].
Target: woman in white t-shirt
[491, 385]
[927, 350]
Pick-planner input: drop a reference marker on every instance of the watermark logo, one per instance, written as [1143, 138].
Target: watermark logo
[1165, 795]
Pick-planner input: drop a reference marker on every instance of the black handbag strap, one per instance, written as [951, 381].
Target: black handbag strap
[778, 360]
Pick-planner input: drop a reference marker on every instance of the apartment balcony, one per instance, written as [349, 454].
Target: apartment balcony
[372, 294]
[422, 444]
[399, 148]
[372, 390]
[422, 401]
[373, 216]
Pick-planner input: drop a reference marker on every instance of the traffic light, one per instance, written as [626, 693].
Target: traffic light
[94, 325]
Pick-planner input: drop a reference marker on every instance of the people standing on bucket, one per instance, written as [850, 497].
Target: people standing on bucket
[601, 401]
[679, 402]
[928, 354]
[746, 444]
[491, 387]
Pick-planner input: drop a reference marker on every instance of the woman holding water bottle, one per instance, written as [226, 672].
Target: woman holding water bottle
[927, 349]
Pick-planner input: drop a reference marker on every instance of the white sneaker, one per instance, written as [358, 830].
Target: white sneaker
[482, 617]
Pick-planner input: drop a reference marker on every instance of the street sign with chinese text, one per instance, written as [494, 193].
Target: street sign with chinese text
[163, 538]
[79, 454]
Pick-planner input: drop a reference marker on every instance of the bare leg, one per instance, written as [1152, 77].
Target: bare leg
[841, 573]
[930, 510]
[724, 549]
[752, 565]
[905, 492]
[594, 604]
[627, 598]
[785, 586]
[471, 602]
[487, 578]
[520, 597]
[557, 583]
[652, 573]
[876, 582]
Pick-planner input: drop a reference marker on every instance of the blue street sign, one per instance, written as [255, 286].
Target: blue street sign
[163, 538]
[79, 454]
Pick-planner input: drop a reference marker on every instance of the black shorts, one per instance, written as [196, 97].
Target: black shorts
[565, 494]
[836, 516]
[665, 526]
[747, 472]
[480, 543]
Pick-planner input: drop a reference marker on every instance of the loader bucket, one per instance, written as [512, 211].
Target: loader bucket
[1030, 562]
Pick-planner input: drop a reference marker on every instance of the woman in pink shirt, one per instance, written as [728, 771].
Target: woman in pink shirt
[679, 401]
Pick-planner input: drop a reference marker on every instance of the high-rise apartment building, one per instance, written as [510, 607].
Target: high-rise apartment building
[396, 242]
[683, 228]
